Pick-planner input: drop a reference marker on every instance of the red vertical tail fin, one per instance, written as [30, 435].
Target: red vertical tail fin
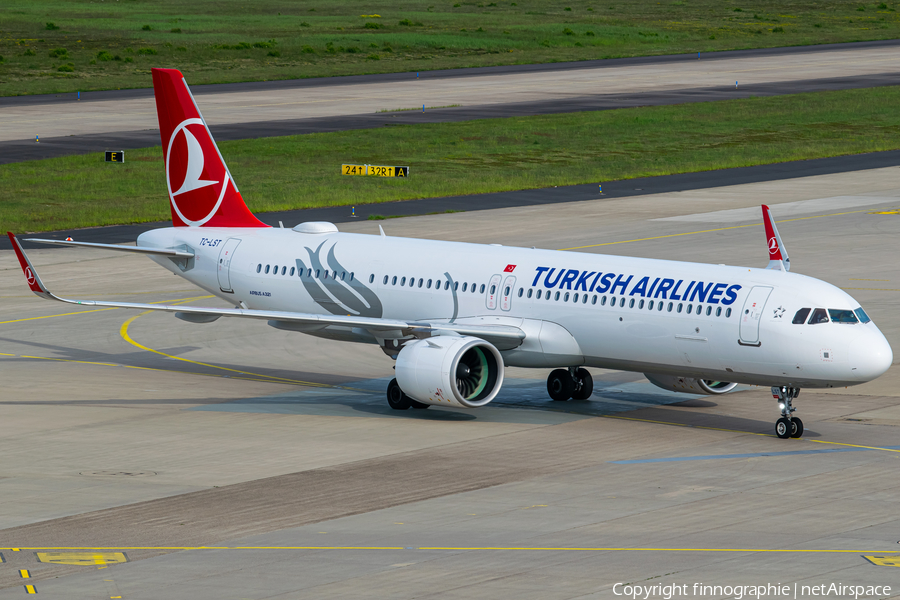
[201, 190]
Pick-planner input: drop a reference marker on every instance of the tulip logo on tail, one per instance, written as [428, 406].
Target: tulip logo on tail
[29, 275]
[773, 245]
[199, 184]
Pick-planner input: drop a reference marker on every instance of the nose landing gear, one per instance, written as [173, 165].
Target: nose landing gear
[787, 426]
[574, 383]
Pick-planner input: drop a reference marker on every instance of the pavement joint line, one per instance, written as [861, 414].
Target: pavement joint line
[659, 237]
[487, 548]
[123, 331]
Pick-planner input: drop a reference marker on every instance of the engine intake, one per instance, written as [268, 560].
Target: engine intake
[690, 385]
[465, 372]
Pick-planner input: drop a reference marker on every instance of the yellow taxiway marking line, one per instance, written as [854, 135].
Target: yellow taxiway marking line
[29, 589]
[53, 316]
[102, 364]
[24, 574]
[497, 548]
[853, 445]
[883, 561]
[82, 312]
[671, 235]
[82, 558]
[123, 331]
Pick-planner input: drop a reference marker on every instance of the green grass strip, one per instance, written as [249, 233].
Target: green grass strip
[52, 46]
[471, 157]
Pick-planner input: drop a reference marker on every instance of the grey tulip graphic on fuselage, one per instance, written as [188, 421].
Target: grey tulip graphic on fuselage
[336, 295]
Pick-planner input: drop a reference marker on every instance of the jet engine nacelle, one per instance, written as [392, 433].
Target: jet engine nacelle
[690, 385]
[465, 372]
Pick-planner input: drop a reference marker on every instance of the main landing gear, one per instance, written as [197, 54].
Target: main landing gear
[400, 401]
[787, 426]
[574, 383]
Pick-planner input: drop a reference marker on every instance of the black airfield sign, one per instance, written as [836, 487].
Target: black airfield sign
[116, 156]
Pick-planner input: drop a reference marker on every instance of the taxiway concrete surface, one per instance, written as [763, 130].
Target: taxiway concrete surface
[326, 105]
[140, 437]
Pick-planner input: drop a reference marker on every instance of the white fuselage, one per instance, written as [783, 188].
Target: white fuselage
[707, 321]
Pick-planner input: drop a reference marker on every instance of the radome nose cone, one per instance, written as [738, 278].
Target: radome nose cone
[871, 357]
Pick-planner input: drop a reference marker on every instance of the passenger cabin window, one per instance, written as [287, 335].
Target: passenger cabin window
[863, 317]
[267, 269]
[258, 268]
[819, 316]
[292, 271]
[800, 317]
[530, 292]
[842, 316]
[482, 288]
[283, 270]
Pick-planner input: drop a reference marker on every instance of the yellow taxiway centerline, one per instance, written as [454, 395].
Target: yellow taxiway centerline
[481, 548]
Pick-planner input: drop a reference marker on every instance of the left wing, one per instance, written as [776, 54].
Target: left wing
[503, 336]
[139, 249]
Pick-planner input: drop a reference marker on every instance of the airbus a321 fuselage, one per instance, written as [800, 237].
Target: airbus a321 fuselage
[454, 314]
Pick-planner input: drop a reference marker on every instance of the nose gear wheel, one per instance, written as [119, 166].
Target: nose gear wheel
[787, 426]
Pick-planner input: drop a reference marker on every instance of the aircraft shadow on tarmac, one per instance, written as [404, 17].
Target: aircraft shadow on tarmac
[519, 401]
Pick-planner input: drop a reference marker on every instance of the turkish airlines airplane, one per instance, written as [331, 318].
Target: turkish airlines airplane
[453, 315]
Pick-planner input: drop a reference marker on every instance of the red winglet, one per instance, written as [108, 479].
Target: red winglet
[34, 282]
[201, 189]
[771, 237]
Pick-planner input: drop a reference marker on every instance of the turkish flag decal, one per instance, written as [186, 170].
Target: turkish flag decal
[509, 268]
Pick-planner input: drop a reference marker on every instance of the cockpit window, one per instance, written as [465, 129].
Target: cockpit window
[842, 316]
[800, 317]
[863, 317]
[819, 316]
